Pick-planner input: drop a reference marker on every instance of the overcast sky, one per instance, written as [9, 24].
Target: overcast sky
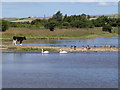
[39, 9]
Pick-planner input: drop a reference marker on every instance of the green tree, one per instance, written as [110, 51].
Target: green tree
[100, 21]
[4, 25]
[36, 21]
[118, 22]
[50, 25]
[107, 28]
[65, 25]
[58, 16]
[76, 24]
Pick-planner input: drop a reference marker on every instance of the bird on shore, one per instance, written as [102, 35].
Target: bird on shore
[44, 52]
[61, 51]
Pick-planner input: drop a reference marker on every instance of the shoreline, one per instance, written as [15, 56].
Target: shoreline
[23, 48]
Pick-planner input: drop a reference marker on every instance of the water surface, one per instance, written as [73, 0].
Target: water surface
[54, 70]
[68, 42]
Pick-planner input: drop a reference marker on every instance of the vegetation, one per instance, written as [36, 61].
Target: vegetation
[50, 25]
[4, 25]
[29, 48]
[107, 28]
[65, 22]
[58, 33]
[74, 26]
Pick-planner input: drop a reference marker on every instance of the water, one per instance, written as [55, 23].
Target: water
[54, 70]
[79, 42]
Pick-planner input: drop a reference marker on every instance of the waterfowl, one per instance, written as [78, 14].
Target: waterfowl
[45, 51]
[61, 51]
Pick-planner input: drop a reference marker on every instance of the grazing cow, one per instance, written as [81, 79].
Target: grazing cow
[18, 39]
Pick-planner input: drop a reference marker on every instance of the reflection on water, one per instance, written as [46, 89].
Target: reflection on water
[54, 70]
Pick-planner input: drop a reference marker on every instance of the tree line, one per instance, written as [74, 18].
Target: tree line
[66, 22]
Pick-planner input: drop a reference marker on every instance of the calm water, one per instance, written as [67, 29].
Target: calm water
[54, 70]
[79, 43]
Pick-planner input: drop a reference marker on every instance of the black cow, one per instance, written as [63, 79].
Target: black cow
[18, 39]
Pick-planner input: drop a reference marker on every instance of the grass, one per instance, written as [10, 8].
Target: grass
[36, 49]
[57, 34]
[25, 20]
[28, 48]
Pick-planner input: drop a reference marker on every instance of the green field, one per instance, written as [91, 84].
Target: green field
[57, 34]
[18, 19]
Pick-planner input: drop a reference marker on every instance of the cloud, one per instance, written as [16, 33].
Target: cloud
[103, 3]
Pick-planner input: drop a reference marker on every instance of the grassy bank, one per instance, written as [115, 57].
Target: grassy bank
[57, 34]
[28, 48]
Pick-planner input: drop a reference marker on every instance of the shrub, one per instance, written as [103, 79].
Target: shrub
[4, 25]
[107, 28]
[50, 25]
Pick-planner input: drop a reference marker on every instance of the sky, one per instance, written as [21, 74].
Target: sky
[60, 0]
[39, 9]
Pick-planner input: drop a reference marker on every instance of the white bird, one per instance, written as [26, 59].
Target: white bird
[61, 51]
[45, 52]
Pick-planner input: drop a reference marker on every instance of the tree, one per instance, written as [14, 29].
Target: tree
[50, 25]
[76, 24]
[100, 21]
[36, 21]
[65, 25]
[107, 28]
[4, 25]
[58, 16]
[118, 22]
[65, 17]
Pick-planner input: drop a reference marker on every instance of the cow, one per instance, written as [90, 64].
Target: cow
[18, 39]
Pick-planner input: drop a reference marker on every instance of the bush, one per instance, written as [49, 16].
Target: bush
[4, 25]
[107, 28]
[65, 25]
[50, 25]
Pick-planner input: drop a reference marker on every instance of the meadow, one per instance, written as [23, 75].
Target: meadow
[57, 34]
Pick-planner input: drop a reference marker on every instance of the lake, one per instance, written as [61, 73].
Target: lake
[68, 42]
[54, 70]
[79, 42]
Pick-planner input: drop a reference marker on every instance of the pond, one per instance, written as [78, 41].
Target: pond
[54, 70]
[68, 42]
[79, 42]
